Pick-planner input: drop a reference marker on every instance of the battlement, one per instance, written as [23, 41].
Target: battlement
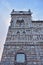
[21, 12]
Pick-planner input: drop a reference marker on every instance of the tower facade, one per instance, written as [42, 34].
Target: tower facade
[24, 41]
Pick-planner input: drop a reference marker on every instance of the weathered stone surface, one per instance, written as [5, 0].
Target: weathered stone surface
[24, 36]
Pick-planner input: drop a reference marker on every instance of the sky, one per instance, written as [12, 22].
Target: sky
[6, 6]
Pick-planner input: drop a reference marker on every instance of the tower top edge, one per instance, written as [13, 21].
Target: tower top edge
[21, 12]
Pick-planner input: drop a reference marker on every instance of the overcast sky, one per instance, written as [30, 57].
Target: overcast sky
[6, 7]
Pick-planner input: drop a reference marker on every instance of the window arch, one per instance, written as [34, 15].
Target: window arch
[18, 32]
[18, 35]
[24, 32]
[24, 35]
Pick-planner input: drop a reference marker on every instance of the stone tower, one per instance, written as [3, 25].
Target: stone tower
[24, 41]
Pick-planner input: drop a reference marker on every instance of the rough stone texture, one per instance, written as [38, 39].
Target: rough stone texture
[29, 40]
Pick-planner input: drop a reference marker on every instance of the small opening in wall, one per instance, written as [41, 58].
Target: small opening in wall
[24, 32]
[21, 11]
[20, 57]
[18, 32]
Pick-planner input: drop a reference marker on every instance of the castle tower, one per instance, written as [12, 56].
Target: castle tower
[24, 41]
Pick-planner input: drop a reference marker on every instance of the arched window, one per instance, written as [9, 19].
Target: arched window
[12, 23]
[20, 22]
[18, 35]
[23, 32]
[24, 35]
[20, 57]
[18, 32]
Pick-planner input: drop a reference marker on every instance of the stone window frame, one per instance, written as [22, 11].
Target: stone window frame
[17, 63]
